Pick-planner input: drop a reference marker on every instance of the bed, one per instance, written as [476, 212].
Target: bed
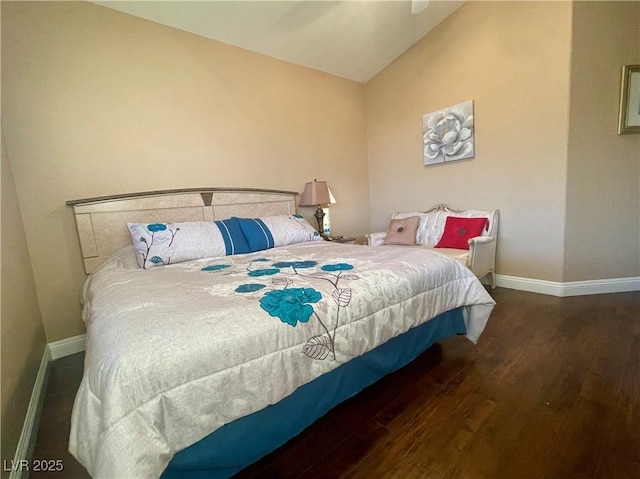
[198, 365]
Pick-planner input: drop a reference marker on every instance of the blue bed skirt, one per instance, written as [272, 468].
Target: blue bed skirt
[236, 445]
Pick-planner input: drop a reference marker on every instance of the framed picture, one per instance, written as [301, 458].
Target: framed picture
[447, 135]
[629, 120]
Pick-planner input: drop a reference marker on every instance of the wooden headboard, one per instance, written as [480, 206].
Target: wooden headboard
[102, 222]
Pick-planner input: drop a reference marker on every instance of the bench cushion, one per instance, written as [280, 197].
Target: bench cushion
[461, 255]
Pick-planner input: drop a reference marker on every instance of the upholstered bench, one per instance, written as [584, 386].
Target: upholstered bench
[468, 236]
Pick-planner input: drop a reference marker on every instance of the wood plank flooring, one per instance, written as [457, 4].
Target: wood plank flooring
[552, 390]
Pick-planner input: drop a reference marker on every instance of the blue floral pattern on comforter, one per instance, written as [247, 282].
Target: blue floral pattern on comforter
[293, 305]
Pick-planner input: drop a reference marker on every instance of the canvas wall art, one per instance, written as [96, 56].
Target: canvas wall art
[447, 134]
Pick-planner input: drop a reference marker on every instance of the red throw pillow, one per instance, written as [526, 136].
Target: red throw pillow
[457, 231]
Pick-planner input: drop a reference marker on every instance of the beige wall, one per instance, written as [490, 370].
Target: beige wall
[512, 59]
[23, 340]
[97, 102]
[603, 188]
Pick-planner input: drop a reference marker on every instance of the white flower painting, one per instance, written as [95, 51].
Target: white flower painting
[447, 135]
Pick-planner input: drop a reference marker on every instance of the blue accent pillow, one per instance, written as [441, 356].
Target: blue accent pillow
[257, 233]
[234, 240]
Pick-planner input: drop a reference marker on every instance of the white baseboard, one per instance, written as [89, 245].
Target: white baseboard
[600, 286]
[528, 284]
[571, 288]
[30, 427]
[67, 347]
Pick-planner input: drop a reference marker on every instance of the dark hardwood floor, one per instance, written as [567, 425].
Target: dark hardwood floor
[552, 390]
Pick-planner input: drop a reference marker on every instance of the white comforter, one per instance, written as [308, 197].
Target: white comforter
[175, 352]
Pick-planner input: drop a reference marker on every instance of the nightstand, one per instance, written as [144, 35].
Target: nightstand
[343, 240]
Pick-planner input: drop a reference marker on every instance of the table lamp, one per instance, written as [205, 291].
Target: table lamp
[317, 193]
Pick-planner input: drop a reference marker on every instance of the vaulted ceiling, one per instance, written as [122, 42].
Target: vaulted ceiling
[354, 39]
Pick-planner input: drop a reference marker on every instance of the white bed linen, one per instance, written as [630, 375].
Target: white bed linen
[175, 352]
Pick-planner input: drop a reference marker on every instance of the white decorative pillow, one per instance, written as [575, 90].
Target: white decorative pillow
[272, 231]
[158, 244]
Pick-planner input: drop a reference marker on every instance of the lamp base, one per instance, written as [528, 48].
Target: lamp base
[319, 214]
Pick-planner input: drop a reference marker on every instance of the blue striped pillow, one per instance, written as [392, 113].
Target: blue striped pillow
[234, 240]
[258, 235]
[273, 231]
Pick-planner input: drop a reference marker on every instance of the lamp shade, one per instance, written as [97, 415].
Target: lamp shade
[316, 193]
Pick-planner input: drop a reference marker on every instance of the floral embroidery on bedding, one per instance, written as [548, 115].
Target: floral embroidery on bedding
[153, 240]
[290, 305]
[294, 305]
[264, 272]
[295, 264]
[215, 267]
[249, 288]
